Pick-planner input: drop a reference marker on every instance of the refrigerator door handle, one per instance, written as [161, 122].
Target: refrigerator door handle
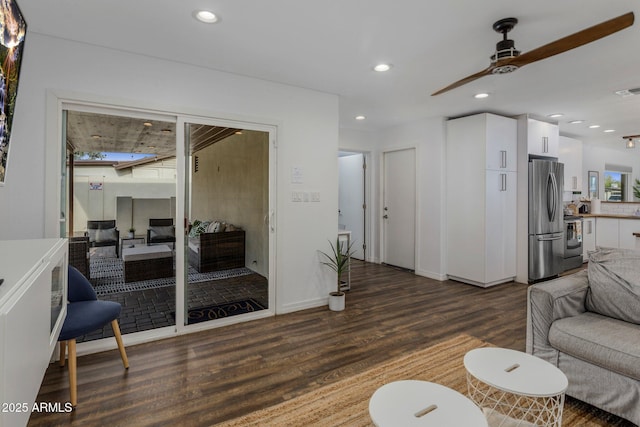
[551, 197]
[546, 239]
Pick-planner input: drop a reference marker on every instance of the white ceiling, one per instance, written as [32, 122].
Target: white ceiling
[331, 46]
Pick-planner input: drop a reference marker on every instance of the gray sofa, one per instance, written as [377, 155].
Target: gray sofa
[588, 325]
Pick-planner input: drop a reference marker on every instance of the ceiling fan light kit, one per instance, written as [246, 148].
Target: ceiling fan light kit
[507, 58]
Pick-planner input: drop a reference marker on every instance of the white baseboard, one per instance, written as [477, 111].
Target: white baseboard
[431, 275]
[303, 305]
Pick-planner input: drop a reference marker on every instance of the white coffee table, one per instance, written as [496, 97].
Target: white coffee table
[515, 388]
[421, 403]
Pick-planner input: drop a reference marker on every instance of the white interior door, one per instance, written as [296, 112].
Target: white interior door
[399, 208]
[351, 199]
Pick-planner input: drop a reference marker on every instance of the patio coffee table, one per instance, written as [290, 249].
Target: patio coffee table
[143, 262]
[515, 388]
[422, 403]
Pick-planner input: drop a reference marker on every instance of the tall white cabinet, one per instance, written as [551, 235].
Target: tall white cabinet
[481, 199]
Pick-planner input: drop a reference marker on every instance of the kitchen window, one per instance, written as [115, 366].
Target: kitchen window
[616, 183]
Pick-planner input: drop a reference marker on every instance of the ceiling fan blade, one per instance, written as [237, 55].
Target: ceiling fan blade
[464, 81]
[578, 39]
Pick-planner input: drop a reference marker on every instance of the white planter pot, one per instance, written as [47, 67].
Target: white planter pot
[337, 301]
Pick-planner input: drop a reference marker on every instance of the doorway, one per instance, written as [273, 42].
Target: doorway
[352, 200]
[399, 208]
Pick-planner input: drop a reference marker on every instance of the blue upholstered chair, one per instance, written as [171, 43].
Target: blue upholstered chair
[85, 314]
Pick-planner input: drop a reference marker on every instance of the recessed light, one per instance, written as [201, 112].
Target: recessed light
[576, 122]
[96, 136]
[594, 126]
[360, 117]
[148, 124]
[481, 95]
[205, 16]
[609, 130]
[555, 115]
[238, 132]
[382, 67]
[166, 131]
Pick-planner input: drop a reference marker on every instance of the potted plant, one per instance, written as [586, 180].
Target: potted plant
[338, 261]
[132, 232]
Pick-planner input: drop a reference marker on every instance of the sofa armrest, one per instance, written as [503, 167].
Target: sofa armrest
[548, 302]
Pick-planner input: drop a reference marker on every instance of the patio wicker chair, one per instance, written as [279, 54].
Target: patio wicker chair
[161, 230]
[103, 233]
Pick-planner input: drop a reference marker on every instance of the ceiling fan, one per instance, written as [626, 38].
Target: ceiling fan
[507, 59]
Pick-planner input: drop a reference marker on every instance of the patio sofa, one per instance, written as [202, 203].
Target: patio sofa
[216, 247]
[588, 325]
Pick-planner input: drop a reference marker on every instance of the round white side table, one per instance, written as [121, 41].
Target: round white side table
[515, 388]
[421, 403]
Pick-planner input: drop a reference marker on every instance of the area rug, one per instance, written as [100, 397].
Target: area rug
[346, 402]
[202, 314]
[107, 277]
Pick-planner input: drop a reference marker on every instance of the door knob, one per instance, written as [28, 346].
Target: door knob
[385, 216]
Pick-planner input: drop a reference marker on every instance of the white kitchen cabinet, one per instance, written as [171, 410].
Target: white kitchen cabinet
[617, 233]
[32, 309]
[481, 199]
[607, 232]
[542, 138]
[501, 148]
[626, 228]
[588, 237]
[570, 153]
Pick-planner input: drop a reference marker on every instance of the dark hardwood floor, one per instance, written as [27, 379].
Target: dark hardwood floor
[204, 378]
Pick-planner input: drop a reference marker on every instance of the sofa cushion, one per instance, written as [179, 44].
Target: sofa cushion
[161, 232]
[104, 235]
[600, 340]
[614, 284]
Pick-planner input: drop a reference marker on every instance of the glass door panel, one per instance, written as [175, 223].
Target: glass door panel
[122, 203]
[227, 245]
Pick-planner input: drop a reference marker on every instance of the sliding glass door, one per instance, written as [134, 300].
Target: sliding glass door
[171, 216]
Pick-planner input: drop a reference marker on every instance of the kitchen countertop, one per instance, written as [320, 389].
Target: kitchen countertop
[608, 215]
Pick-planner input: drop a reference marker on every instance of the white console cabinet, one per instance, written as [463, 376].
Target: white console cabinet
[33, 305]
[481, 199]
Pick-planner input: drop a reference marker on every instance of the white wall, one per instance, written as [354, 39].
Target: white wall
[428, 136]
[307, 139]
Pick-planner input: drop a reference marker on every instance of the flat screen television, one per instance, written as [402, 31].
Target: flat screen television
[13, 29]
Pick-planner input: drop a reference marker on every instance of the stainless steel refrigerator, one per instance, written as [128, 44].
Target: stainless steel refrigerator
[546, 219]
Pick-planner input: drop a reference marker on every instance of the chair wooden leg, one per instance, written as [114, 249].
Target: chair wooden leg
[73, 379]
[123, 353]
[63, 352]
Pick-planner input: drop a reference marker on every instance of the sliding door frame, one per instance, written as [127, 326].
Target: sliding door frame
[58, 101]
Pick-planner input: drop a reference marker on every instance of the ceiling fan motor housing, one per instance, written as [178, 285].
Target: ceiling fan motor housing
[505, 49]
